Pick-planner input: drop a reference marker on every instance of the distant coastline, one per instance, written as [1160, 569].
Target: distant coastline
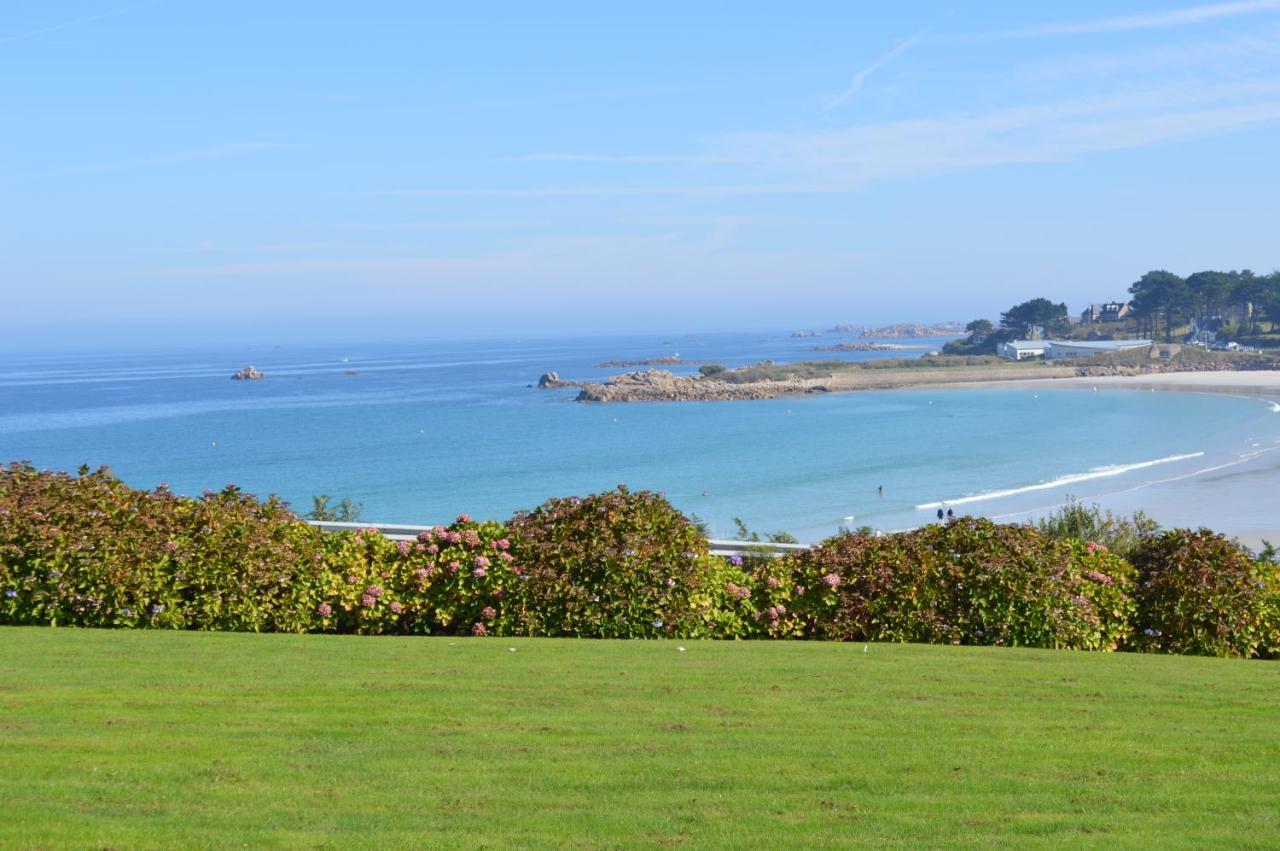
[771, 380]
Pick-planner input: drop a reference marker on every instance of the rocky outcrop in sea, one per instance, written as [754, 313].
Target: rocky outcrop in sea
[249, 373]
[660, 385]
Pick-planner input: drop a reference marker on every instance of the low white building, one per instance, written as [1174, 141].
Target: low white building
[1021, 349]
[1059, 349]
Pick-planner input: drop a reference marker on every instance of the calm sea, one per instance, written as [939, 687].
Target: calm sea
[425, 430]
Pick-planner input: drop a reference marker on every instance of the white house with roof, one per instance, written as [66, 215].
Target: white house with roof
[1021, 349]
[1059, 349]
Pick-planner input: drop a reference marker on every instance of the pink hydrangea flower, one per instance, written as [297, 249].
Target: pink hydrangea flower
[831, 580]
[471, 538]
[433, 549]
[404, 547]
[481, 561]
[454, 567]
[424, 573]
[489, 613]
[324, 610]
[478, 628]
[368, 600]
[478, 572]
[374, 591]
[772, 582]
[351, 580]
[396, 607]
[464, 518]
[507, 557]
[502, 544]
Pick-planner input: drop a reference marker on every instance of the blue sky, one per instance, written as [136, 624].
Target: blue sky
[176, 168]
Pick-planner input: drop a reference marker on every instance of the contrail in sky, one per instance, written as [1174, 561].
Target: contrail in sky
[66, 25]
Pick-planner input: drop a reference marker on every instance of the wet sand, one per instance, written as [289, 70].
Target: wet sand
[1240, 500]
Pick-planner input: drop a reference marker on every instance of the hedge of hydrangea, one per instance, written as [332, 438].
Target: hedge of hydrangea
[87, 550]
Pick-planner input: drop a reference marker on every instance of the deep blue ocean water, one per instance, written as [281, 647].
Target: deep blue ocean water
[426, 430]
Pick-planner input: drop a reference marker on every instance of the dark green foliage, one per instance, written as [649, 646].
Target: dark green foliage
[966, 582]
[1078, 522]
[711, 368]
[1041, 312]
[345, 511]
[88, 550]
[620, 564]
[982, 339]
[1199, 593]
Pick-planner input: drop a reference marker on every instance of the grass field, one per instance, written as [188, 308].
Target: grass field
[153, 739]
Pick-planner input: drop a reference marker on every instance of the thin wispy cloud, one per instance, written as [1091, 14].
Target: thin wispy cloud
[1148, 21]
[855, 85]
[842, 161]
[66, 25]
[656, 191]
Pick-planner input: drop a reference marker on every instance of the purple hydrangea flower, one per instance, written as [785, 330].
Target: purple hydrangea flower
[736, 561]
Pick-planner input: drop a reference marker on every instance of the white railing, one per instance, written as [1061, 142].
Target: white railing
[409, 532]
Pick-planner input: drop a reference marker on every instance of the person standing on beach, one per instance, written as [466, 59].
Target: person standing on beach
[939, 515]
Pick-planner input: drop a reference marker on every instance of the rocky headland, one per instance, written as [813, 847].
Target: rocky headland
[869, 347]
[914, 329]
[670, 360]
[768, 380]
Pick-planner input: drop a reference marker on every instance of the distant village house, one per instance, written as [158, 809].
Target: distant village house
[1107, 311]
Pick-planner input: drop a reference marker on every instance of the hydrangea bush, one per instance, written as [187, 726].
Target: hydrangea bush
[1198, 593]
[87, 550]
[620, 564]
[967, 582]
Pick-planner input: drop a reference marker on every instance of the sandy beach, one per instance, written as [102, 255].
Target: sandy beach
[1238, 499]
[1251, 382]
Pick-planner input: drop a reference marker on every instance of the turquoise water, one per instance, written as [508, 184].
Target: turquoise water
[427, 430]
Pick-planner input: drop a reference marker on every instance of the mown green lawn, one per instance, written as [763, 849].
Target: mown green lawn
[152, 739]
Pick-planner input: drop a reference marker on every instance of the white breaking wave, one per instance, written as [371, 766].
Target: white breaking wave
[1095, 473]
[1275, 407]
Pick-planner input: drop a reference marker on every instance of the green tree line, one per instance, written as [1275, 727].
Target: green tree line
[1160, 302]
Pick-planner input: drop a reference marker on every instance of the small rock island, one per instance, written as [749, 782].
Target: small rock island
[249, 373]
